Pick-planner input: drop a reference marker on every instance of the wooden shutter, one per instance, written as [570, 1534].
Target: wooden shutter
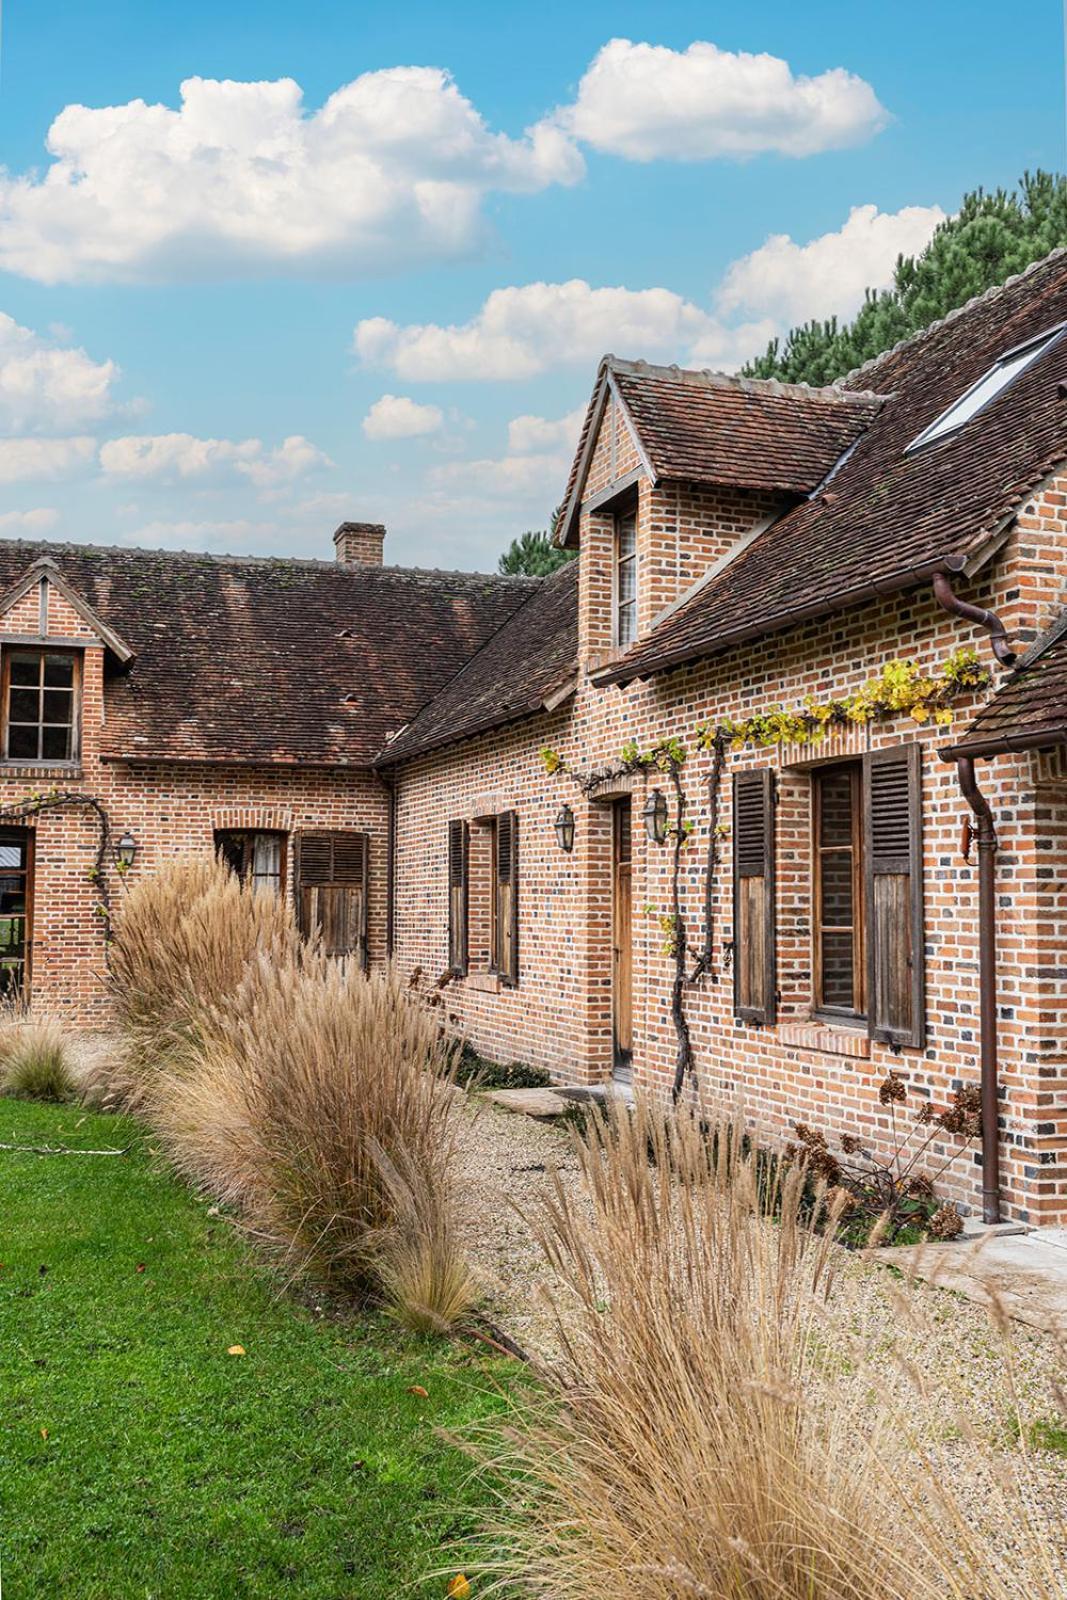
[331, 891]
[892, 815]
[458, 895]
[507, 897]
[755, 976]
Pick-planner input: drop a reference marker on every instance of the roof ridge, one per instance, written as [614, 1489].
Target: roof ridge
[1044, 642]
[711, 378]
[992, 293]
[221, 558]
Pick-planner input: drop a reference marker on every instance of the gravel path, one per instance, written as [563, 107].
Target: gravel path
[505, 1161]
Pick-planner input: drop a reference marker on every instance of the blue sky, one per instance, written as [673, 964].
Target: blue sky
[230, 324]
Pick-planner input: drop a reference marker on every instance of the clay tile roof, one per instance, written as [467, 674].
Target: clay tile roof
[270, 661]
[887, 520]
[527, 663]
[708, 427]
[1029, 712]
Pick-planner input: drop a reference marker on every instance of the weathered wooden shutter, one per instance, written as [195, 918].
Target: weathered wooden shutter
[755, 973]
[331, 891]
[892, 817]
[507, 896]
[458, 894]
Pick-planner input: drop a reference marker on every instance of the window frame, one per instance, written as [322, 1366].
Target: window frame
[942, 428]
[627, 513]
[248, 835]
[506, 972]
[857, 1013]
[40, 651]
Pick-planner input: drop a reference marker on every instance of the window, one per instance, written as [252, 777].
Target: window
[505, 900]
[754, 939]
[40, 706]
[256, 858]
[837, 794]
[331, 891]
[980, 394]
[458, 896]
[624, 620]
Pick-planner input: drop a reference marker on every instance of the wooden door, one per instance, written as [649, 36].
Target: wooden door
[622, 940]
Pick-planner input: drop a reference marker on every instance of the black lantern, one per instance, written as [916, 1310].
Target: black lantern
[654, 813]
[126, 849]
[565, 829]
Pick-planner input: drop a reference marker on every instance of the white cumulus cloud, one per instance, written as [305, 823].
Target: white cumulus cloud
[395, 416]
[35, 523]
[181, 457]
[240, 536]
[647, 102]
[26, 460]
[532, 471]
[827, 276]
[391, 170]
[48, 387]
[522, 331]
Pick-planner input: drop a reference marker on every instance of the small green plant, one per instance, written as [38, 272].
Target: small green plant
[475, 1072]
[35, 1061]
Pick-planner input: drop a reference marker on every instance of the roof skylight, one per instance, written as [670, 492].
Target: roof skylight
[979, 395]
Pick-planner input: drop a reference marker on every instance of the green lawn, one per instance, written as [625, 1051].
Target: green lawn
[138, 1458]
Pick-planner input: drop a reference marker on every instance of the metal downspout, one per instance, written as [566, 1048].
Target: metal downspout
[998, 635]
[987, 981]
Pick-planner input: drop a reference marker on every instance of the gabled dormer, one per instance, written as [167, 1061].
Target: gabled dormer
[675, 472]
[52, 645]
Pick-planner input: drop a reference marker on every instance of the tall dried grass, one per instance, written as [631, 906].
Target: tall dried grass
[35, 1058]
[183, 943]
[705, 1436]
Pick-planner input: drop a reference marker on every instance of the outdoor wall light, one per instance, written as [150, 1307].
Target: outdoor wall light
[654, 813]
[126, 849]
[565, 829]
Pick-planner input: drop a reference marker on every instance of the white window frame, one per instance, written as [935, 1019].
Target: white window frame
[616, 605]
[959, 413]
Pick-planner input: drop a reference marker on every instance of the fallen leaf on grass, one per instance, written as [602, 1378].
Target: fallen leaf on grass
[141, 1267]
[44, 1433]
[459, 1587]
[236, 1350]
[416, 1388]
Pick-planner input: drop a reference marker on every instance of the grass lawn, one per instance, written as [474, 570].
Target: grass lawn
[138, 1458]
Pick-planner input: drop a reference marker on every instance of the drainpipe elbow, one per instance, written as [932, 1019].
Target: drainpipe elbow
[950, 601]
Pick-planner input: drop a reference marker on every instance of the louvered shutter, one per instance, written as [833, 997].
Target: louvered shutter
[331, 891]
[892, 803]
[458, 860]
[507, 896]
[755, 980]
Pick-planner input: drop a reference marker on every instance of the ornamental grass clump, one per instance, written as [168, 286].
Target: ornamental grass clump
[35, 1060]
[182, 944]
[319, 1102]
[708, 1433]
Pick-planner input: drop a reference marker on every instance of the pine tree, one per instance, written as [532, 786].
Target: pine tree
[991, 237]
[533, 555]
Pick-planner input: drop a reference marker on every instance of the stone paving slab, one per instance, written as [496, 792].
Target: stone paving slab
[542, 1103]
[1026, 1273]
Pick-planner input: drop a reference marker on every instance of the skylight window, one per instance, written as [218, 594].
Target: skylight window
[979, 395]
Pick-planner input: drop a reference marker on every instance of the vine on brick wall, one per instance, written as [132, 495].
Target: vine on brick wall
[899, 689]
[32, 805]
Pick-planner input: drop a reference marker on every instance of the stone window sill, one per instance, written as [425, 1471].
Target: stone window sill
[482, 982]
[825, 1037]
[40, 769]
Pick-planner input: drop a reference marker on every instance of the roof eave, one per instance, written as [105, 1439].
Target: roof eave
[1004, 744]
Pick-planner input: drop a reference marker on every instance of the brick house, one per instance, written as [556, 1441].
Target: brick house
[751, 558]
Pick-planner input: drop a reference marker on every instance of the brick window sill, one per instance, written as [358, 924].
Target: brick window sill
[823, 1036]
[39, 769]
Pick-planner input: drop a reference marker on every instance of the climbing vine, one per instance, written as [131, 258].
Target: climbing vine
[901, 688]
[32, 805]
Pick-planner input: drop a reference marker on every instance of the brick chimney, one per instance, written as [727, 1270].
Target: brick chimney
[359, 544]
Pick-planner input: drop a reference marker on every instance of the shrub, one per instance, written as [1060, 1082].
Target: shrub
[35, 1061]
[475, 1072]
[320, 1101]
[701, 1438]
[183, 941]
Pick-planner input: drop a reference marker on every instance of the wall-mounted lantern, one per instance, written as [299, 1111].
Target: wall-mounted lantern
[126, 849]
[565, 829]
[654, 814]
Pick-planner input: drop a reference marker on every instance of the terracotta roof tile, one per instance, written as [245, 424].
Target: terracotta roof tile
[272, 660]
[1029, 711]
[886, 519]
[532, 657]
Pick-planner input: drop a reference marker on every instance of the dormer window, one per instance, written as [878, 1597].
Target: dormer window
[624, 586]
[40, 703]
[980, 394]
